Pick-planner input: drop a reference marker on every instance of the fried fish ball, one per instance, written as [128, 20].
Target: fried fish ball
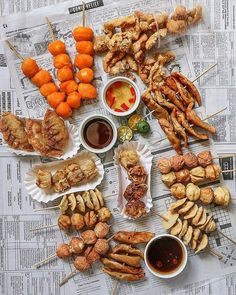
[90, 219]
[183, 176]
[177, 162]
[163, 165]
[104, 214]
[197, 174]
[82, 34]
[61, 60]
[169, 178]
[64, 222]
[63, 251]
[68, 86]
[64, 74]
[204, 158]
[89, 237]
[91, 254]
[206, 195]
[44, 179]
[74, 174]
[77, 221]
[212, 171]
[57, 47]
[48, 88]
[192, 192]
[178, 190]
[29, 67]
[101, 246]
[41, 77]
[222, 196]
[101, 230]
[190, 160]
[76, 245]
[81, 263]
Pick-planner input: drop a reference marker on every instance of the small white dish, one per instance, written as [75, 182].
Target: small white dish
[98, 150]
[137, 92]
[176, 271]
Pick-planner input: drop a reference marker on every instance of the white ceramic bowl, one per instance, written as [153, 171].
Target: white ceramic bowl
[137, 92]
[175, 272]
[81, 132]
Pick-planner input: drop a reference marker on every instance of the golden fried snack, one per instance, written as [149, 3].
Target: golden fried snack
[91, 255]
[168, 179]
[192, 192]
[101, 230]
[74, 174]
[80, 206]
[89, 237]
[104, 214]
[138, 48]
[29, 67]
[87, 200]
[222, 196]
[89, 168]
[170, 94]
[64, 222]
[178, 190]
[129, 260]
[204, 158]
[81, 263]
[123, 276]
[100, 197]
[63, 251]
[77, 221]
[44, 179]
[133, 238]
[177, 162]
[163, 165]
[13, 131]
[179, 129]
[197, 174]
[190, 160]
[95, 200]
[59, 181]
[90, 219]
[76, 245]
[100, 43]
[121, 267]
[183, 176]
[41, 77]
[101, 246]
[154, 38]
[206, 195]
[135, 191]
[212, 171]
[54, 131]
[135, 209]
[123, 248]
[121, 41]
[128, 158]
[137, 174]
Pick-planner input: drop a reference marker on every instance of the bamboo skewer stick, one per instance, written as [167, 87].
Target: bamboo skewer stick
[204, 72]
[116, 288]
[50, 28]
[224, 235]
[47, 208]
[83, 21]
[42, 227]
[214, 253]
[17, 54]
[230, 170]
[38, 264]
[69, 276]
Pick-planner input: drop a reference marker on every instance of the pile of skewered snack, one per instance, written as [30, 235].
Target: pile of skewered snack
[71, 175]
[194, 225]
[49, 136]
[69, 94]
[126, 40]
[137, 189]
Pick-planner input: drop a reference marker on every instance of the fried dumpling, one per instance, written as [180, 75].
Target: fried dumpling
[88, 167]
[54, 131]
[44, 179]
[128, 158]
[13, 131]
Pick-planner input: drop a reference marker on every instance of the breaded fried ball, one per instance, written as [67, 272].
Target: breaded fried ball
[64, 222]
[101, 230]
[42, 77]
[63, 251]
[57, 47]
[48, 88]
[76, 245]
[101, 246]
[29, 67]
[91, 255]
[81, 263]
[104, 214]
[77, 221]
[89, 237]
[61, 60]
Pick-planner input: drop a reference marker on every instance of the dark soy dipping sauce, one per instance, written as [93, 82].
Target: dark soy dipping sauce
[165, 255]
[98, 133]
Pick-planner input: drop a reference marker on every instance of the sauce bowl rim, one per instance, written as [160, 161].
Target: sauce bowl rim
[175, 272]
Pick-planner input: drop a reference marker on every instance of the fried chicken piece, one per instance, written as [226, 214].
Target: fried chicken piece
[179, 13]
[150, 21]
[189, 86]
[131, 62]
[89, 237]
[133, 29]
[160, 112]
[100, 43]
[138, 48]
[170, 94]
[129, 260]
[190, 160]
[111, 59]
[182, 120]
[123, 276]
[177, 162]
[109, 26]
[178, 127]
[120, 42]
[176, 27]
[193, 118]
[104, 214]
[90, 219]
[13, 131]
[76, 245]
[63, 251]
[101, 230]
[135, 209]
[162, 100]
[123, 248]
[144, 69]
[121, 267]
[194, 15]
[152, 40]
[120, 67]
[77, 221]
[169, 131]
[64, 222]
[135, 191]
[54, 131]
[137, 174]
[133, 237]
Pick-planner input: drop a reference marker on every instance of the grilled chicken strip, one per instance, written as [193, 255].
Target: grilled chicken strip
[193, 118]
[117, 266]
[163, 102]
[182, 120]
[123, 248]
[178, 127]
[170, 134]
[148, 100]
[170, 94]
[129, 260]
[123, 276]
[189, 85]
[133, 237]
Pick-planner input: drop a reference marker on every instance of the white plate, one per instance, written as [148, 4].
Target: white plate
[42, 195]
[145, 158]
[73, 146]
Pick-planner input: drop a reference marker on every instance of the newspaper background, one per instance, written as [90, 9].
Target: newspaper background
[20, 249]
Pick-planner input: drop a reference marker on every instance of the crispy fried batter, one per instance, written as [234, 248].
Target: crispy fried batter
[152, 40]
[135, 209]
[124, 276]
[123, 248]
[178, 127]
[129, 260]
[120, 42]
[133, 238]
[162, 101]
[138, 48]
[100, 43]
[121, 267]
[135, 191]
[170, 94]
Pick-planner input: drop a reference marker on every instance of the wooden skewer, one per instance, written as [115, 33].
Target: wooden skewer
[163, 217]
[214, 253]
[216, 113]
[14, 50]
[116, 287]
[223, 157]
[46, 208]
[42, 227]
[204, 72]
[224, 235]
[230, 170]
[69, 276]
[50, 28]
[36, 265]
[83, 13]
